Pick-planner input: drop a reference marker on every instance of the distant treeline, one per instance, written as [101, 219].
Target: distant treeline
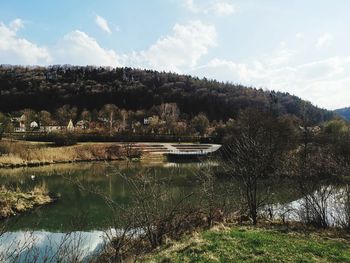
[48, 88]
[344, 113]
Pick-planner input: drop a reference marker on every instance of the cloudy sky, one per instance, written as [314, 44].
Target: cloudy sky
[297, 46]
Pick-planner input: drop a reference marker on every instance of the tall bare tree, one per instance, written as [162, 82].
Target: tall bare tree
[255, 152]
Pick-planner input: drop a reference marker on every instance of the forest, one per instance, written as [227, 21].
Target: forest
[90, 88]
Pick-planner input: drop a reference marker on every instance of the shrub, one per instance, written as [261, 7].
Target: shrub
[7, 147]
[1, 131]
[64, 139]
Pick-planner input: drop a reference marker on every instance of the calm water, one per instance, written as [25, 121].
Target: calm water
[89, 209]
[86, 213]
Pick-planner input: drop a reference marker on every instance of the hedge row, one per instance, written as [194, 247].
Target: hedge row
[93, 137]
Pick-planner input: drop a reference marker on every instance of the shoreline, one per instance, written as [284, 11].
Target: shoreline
[185, 246]
[15, 202]
[40, 164]
[15, 154]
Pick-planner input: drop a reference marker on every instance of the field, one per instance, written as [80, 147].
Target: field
[249, 244]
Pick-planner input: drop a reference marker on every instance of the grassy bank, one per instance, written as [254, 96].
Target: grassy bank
[20, 153]
[14, 202]
[249, 244]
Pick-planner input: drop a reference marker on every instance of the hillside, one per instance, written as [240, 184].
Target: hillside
[344, 113]
[89, 87]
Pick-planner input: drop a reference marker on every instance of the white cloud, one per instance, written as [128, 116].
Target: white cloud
[103, 24]
[281, 57]
[324, 40]
[78, 48]
[217, 7]
[299, 35]
[178, 51]
[17, 50]
[190, 5]
[16, 24]
[323, 82]
[223, 8]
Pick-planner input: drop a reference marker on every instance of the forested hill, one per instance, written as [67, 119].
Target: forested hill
[344, 113]
[92, 87]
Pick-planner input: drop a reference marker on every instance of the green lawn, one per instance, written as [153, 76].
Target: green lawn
[241, 244]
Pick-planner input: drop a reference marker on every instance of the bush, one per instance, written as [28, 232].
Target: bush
[7, 147]
[64, 139]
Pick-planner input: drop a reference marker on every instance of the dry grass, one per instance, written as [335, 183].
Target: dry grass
[13, 202]
[19, 153]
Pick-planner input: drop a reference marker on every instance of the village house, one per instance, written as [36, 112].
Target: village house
[82, 125]
[70, 126]
[19, 123]
[51, 128]
[34, 125]
[146, 121]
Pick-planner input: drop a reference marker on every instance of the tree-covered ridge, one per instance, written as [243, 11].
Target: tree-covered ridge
[91, 87]
[344, 113]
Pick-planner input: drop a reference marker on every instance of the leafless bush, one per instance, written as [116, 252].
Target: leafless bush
[159, 212]
[315, 208]
[153, 215]
[341, 213]
[215, 200]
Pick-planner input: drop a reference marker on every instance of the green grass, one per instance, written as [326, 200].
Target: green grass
[240, 244]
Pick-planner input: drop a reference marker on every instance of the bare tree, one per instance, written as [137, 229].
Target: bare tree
[159, 211]
[255, 152]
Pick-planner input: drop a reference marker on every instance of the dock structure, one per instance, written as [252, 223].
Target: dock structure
[174, 151]
[192, 151]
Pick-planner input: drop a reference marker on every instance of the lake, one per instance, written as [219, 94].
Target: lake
[74, 203]
[83, 213]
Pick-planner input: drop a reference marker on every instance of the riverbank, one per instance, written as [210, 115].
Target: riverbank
[16, 153]
[15, 202]
[255, 244]
[21, 153]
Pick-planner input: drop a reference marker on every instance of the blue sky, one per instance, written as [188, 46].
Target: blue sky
[296, 46]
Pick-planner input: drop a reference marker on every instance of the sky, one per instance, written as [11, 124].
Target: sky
[295, 46]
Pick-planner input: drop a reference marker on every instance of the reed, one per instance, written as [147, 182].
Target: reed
[19, 153]
[16, 201]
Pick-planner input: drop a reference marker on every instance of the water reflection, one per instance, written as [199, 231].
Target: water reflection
[46, 230]
[41, 246]
[91, 211]
[329, 206]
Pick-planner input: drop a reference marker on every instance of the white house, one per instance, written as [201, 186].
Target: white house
[146, 121]
[34, 125]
